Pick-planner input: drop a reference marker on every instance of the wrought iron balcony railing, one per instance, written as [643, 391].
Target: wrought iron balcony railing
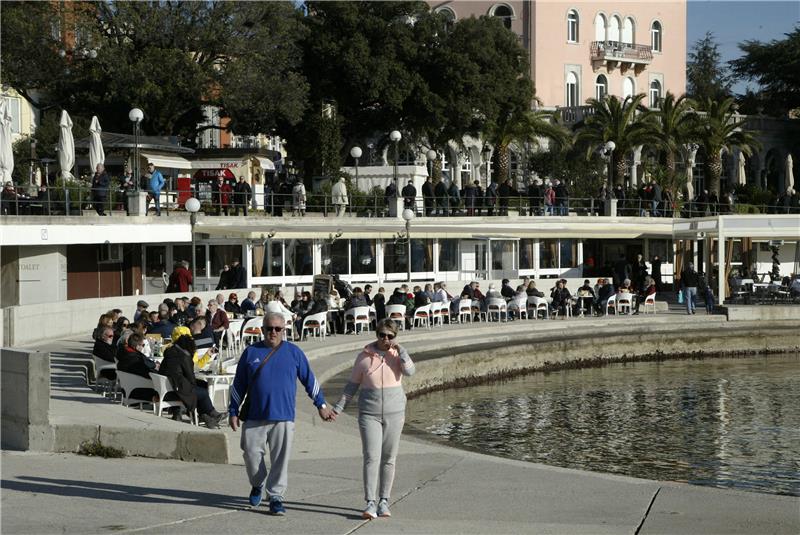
[621, 52]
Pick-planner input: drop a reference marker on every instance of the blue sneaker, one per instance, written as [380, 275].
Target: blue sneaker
[276, 506]
[255, 496]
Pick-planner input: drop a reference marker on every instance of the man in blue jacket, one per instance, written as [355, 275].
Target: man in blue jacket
[270, 419]
[156, 185]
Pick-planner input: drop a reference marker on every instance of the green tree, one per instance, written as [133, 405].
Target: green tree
[776, 67]
[722, 128]
[678, 125]
[627, 124]
[168, 58]
[706, 76]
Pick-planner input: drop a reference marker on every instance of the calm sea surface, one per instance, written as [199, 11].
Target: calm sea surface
[732, 422]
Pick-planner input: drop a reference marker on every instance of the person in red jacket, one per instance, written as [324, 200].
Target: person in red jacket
[181, 278]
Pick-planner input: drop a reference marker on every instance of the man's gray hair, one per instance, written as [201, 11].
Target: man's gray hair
[273, 315]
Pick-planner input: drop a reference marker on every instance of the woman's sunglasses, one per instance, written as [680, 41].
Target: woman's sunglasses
[271, 329]
[389, 336]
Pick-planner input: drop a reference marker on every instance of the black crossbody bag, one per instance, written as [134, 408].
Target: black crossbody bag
[244, 408]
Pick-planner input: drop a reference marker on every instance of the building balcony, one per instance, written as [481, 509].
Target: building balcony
[613, 54]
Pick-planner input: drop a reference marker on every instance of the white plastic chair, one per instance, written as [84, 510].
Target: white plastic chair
[611, 303]
[519, 305]
[465, 310]
[251, 331]
[438, 310]
[128, 382]
[315, 324]
[397, 313]
[476, 310]
[163, 388]
[100, 366]
[357, 316]
[624, 301]
[422, 315]
[538, 304]
[497, 307]
[650, 301]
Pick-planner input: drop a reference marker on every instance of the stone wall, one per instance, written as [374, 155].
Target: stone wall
[26, 400]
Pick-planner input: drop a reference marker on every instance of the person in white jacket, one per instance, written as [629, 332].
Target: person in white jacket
[339, 196]
[299, 198]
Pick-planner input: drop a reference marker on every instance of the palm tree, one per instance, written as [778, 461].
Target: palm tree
[678, 124]
[626, 123]
[522, 126]
[719, 128]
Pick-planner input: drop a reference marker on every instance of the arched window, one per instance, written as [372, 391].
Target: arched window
[572, 26]
[449, 16]
[655, 36]
[613, 29]
[628, 87]
[572, 90]
[504, 13]
[601, 87]
[466, 168]
[655, 93]
[627, 31]
[513, 165]
[600, 27]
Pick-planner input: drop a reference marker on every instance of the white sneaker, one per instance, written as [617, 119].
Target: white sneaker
[371, 511]
[383, 508]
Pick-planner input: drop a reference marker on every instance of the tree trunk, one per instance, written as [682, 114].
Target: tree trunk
[713, 172]
[502, 163]
[618, 169]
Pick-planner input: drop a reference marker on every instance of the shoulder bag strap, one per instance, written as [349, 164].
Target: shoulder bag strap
[255, 374]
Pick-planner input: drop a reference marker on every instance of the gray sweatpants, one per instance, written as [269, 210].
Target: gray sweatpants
[257, 435]
[380, 440]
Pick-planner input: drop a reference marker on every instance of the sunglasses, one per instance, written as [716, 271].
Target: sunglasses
[271, 329]
[388, 336]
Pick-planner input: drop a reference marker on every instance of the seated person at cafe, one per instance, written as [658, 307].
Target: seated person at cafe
[532, 291]
[357, 299]
[604, 291]
[586, 297]
[141, 306]
[493, 293]
[104, 345]
[232, 304]
[121, 324]
[162, 325]
[178, 366]
[625, 288]
[649, 289]
[218, 320]
[201, 333]
[420, 297]
[180, 314]
[132, 360]
[249, 304]
[561, 298]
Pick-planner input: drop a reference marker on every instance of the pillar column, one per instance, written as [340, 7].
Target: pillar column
[637, 161]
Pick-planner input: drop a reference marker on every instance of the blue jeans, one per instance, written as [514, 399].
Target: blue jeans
[690, 296]
[157, 200]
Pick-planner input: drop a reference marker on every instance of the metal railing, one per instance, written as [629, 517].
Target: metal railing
[619, 51]
[81, 200]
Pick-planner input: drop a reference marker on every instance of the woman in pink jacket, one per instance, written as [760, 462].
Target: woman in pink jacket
[379, 371]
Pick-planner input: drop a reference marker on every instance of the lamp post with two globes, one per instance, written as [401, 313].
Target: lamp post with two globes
[408, 215]
[356, 152]
[136, 115]
[395, 137]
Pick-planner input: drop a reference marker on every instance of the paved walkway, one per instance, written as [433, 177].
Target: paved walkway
[438, 489]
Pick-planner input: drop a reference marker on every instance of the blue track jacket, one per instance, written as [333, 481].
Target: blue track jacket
[272, 396]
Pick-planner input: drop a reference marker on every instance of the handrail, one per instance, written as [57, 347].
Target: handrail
[79, 200]
[617, 50]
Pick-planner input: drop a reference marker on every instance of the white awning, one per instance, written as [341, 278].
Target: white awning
[266, 163]
[167, 161]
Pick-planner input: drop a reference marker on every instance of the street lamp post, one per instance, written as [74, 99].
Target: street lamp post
[136, 115]
[355, 152]
[395, 138]
[193, 206]
[431, 156]
[487, 152]
[408, 215]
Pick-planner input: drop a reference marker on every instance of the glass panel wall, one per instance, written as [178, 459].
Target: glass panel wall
[299, 258]
[526, 254]
[363, 259]
[569, 254]
[335, 258]
[394, 257]
[268, 260]
[184, 252]
[502, 255]
[156, 258]
[548, 254]
[223, 255]
[421, 255]
[448, 255]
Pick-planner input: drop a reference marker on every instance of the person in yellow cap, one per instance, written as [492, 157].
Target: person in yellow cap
[178, 366]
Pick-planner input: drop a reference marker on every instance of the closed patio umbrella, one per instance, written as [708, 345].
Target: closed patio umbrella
[66, 146]
[6, 151]
[742, 178]
[96, 153]
[789, 172]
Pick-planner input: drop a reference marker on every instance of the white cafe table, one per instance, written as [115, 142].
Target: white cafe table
[222, 381]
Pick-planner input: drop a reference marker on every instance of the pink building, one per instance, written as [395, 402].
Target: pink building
[581, 50]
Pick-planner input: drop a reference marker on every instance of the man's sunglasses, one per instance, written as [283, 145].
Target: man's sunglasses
[389, 336]
[271, 329]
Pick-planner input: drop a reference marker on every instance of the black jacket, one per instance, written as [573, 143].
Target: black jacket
[507, 291]
[132, 361]
[104, 351]
[690, 278]
[179, 368]
[242, 192]
[238, 277]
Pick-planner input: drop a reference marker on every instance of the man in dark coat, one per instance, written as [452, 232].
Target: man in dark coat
[655, 268]
[535, 195]
[390, 194]
[103, 345]
[442, 200]
[622, 270]
[562, 198]
[504, 194]
[427, 196]
[241, 196]
[409, 193]
[238, 277]
[100, 183]
[490, 198]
